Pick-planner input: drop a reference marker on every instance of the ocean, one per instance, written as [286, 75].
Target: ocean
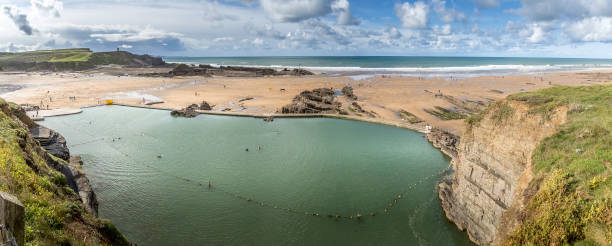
[407, 65]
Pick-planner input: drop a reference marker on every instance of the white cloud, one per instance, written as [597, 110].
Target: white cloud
[593, 29]
[134, 36]
[547, 10]
[343, 10]
[413, 15]
[213, 12]
[47, 7]
[126, 46]
[530, 33]
[445, 14]
[223, 39]
[299, 10]
[537, 34]
[442, 30]
[258, 41]
[296, 10]
[393, 33]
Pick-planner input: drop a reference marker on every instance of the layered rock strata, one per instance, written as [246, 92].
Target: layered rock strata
[321, 100]
[493, 169]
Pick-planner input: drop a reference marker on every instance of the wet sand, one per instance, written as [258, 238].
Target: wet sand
[384, 95]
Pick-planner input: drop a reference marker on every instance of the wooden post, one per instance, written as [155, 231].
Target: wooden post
[12, 218]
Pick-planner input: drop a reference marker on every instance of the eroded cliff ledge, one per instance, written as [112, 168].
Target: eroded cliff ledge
[493, 169]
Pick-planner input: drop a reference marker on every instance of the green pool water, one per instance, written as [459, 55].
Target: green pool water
[305, 167]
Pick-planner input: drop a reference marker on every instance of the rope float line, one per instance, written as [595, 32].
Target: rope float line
[335, 216]
[87, 142]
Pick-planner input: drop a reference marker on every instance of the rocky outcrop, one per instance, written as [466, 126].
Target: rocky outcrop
[55, 144]
[83, 187]
[188, 112]
[446, 141]
[347, 91]
[205, 106]
[493, 169]
[51, 141]
[321, 100]
[227, 71]
[356, 107]
[75, 177]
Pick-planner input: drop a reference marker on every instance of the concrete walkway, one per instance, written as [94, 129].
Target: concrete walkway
[52, 112]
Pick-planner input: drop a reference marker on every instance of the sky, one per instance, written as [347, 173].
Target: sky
[533, 28]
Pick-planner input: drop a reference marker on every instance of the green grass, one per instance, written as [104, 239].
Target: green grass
[445, 114]
[61, 55]
[573, 168]
[410, 117]
[75, 57]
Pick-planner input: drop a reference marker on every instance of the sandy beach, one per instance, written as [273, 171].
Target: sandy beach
[383, 95]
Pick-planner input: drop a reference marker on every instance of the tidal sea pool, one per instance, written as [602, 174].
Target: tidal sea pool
[151, 174]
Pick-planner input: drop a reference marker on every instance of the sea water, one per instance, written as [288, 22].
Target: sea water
[409, 65]
[151, 173]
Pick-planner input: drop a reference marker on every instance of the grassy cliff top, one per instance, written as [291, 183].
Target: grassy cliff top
[73, 59]
[61, 55]
[54, 214]
[573, 167]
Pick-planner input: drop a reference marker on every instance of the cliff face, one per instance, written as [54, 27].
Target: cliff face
[493, 169]
[59, 205]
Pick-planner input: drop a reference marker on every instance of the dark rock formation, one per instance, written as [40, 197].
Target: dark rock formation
[319, 100]
[88, 196]
[51, 141]
[227, 71]
[355, 106]
[348, 92]
[294, 72]
[188, 112]
[245, 99]
[446, 141]
[182, 69]
[75, 177]
[205, 106]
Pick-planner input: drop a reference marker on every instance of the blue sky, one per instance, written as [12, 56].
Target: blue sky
[550, 28]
